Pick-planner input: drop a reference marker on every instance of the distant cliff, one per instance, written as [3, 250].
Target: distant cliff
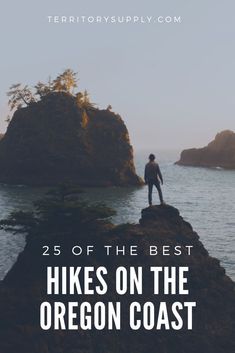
[54, 141]
[218, 153]
[24, 288]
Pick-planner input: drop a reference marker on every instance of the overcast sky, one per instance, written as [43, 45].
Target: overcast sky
[173, 84]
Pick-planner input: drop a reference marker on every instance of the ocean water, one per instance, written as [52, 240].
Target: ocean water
[204, 197]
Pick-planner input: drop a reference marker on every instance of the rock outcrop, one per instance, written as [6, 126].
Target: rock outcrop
[218, 153]
[54, 141]
[24, 288]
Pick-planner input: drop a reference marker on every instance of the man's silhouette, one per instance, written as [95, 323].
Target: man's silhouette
[152, 174]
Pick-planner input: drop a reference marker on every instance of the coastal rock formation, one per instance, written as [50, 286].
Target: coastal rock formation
[218, 153]
[55, 141]
[24, 288]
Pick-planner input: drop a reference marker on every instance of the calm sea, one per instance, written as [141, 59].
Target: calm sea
[205, 198]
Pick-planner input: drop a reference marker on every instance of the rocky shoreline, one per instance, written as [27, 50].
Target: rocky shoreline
[23, 289]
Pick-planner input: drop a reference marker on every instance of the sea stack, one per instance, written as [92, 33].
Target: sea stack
[218, 153]
[55, 141]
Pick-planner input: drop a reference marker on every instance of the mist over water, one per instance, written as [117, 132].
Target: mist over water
[204, 197]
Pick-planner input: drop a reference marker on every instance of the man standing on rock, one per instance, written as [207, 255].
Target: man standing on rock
[152, 174]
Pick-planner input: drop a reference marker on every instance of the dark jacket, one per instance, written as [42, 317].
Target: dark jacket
[152, 172]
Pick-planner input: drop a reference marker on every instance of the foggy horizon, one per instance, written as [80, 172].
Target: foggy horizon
[172, 83]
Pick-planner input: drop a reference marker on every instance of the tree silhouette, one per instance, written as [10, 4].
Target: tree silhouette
[84, 103]
[43, 89]
[83, 100]
[60, 211]
[20, 96]
[66, 82]
[79, 99]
